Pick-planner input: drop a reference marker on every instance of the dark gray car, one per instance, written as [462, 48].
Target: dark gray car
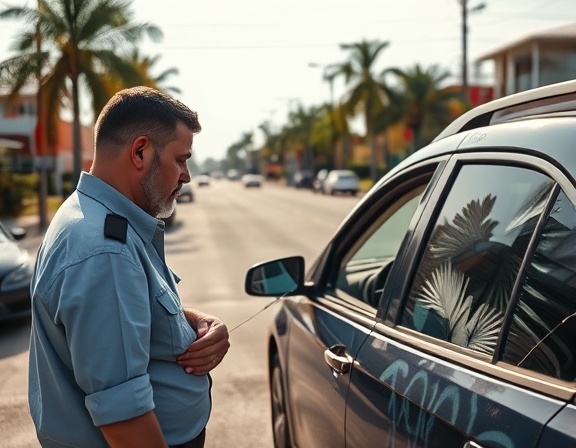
[16, 267]
[443, 312]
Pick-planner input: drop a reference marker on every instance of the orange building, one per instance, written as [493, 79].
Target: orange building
[18, 123]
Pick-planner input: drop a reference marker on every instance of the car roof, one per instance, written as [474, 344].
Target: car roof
[555, 99]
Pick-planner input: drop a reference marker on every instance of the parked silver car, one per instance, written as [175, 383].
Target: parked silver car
[341, 181]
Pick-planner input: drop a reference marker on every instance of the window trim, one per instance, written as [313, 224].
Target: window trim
[521, 274]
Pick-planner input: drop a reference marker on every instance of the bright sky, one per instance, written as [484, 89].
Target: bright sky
[245, 62]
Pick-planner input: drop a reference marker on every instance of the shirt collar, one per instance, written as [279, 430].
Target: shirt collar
[144, 224]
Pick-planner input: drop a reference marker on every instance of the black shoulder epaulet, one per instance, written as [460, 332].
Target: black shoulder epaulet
[115, 227]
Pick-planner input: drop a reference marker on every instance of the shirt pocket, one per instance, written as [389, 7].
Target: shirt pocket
[171, 332]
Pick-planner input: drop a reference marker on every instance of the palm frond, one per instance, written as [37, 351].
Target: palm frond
[445, 293]
[483, 328]
[467, 228]
[532, 207]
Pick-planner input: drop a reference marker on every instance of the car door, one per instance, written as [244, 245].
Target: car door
[328, 329]
[444, 368]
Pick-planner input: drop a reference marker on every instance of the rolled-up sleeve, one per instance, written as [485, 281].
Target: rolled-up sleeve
[135, 394]
[107, 319]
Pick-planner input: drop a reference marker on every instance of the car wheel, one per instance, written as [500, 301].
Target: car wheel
[279, 415]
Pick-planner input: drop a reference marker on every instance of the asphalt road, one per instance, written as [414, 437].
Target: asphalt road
[214, 240]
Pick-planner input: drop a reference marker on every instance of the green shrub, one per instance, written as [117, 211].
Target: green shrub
[15, 190]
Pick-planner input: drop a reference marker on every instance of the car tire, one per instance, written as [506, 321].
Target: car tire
[280, 428]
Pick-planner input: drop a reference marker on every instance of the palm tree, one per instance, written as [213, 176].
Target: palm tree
[232, 155]
[367, 93]
[342, 133]
[242, 151]
[246, 144]
[323, 133]
[82, 39]
[271, 150]
[426, 101]
[302, 122]
[144, 66]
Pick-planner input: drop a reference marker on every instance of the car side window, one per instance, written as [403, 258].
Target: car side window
[541, 337]
[363, 270]
[466, 274]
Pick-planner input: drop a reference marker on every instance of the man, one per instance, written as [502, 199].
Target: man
[114, 358]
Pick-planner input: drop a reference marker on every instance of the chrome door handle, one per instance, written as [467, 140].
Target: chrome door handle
[471, 444]
[338, 359]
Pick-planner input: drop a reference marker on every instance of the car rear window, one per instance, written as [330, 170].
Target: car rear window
[464, 282]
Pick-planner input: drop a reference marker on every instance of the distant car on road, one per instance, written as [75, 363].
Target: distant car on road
[186, 193]
[233, 174]
[319, 179]
[341, 181]
[303, 179]
[203, 180]
[16, 267]
[252, 180]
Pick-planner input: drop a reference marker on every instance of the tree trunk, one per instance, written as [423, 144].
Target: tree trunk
[373, 158]
[372, 143]
[417, 137]
[76, 142]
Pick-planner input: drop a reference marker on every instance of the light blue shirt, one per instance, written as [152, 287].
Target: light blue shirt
[107, 327]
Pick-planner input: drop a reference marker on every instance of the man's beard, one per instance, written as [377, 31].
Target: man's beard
[161, 207]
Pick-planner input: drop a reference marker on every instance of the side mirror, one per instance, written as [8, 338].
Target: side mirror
[18, 233]
[276, 278]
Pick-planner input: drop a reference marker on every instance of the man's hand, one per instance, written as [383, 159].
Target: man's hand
[207, 351]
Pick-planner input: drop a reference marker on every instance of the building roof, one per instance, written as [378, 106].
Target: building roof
[563, 33]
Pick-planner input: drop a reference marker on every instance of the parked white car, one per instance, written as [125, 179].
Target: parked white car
[203, 180]
[252, 180]
[341, 181]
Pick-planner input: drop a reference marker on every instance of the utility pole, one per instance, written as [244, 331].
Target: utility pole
[465, 12]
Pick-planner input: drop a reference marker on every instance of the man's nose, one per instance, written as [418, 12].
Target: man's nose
[185, 178]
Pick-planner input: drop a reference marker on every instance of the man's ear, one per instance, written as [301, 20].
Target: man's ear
[140, 150]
